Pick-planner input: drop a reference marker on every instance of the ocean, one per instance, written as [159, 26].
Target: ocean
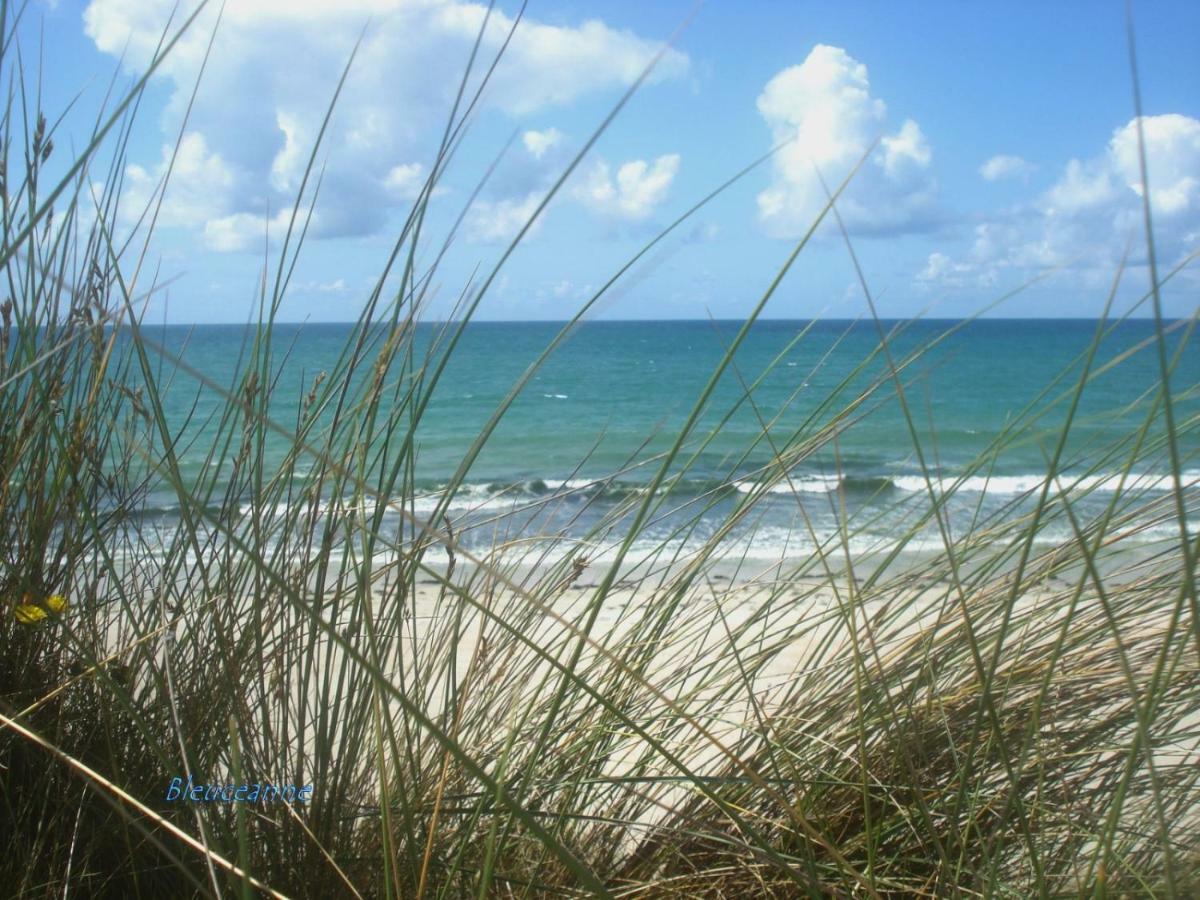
[578, 449]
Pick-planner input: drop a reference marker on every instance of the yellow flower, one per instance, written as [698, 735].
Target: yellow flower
[29, 613]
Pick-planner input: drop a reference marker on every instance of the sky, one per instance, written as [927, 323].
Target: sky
[998, 143]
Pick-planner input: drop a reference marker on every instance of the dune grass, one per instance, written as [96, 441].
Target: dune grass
[996, 716]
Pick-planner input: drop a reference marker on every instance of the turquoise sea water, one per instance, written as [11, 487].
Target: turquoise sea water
[615, 395]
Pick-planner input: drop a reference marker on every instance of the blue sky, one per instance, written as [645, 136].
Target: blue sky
[1006, 150]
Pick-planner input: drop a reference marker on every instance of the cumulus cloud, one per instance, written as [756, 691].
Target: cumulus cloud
[522, 179]
[405, 181]
[1093, 210]
[1172, 159]
[942, 270]
[201, 185]
[501, 220]
[258, 111]
[1004, 166]
[905, 150]
[539, 142]
[245, 231]
[638, 189]
[824, 110]
[563, 289]
[336, 286]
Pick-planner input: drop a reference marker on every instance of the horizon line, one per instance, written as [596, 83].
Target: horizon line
[806, 319]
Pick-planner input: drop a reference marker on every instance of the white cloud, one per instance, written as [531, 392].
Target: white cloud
[246, 231]
[538, 142]
[1082, 187]
[563, 289]
[1172, 158]
[405, 181]
[200, 187]
[936, 267]
[274, 63]
[501, 220]
[639, 187]
[336, 286]
[905, 150]
[1005, 166]
[941, 270]
[287, 166]
[1087, 218]
[824, 110]
[521, 182]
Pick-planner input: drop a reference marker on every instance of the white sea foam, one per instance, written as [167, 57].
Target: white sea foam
[469, 498]
[569, 484]
[998, 485]
[795, 484]
[765, 545]
[1015, 485]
